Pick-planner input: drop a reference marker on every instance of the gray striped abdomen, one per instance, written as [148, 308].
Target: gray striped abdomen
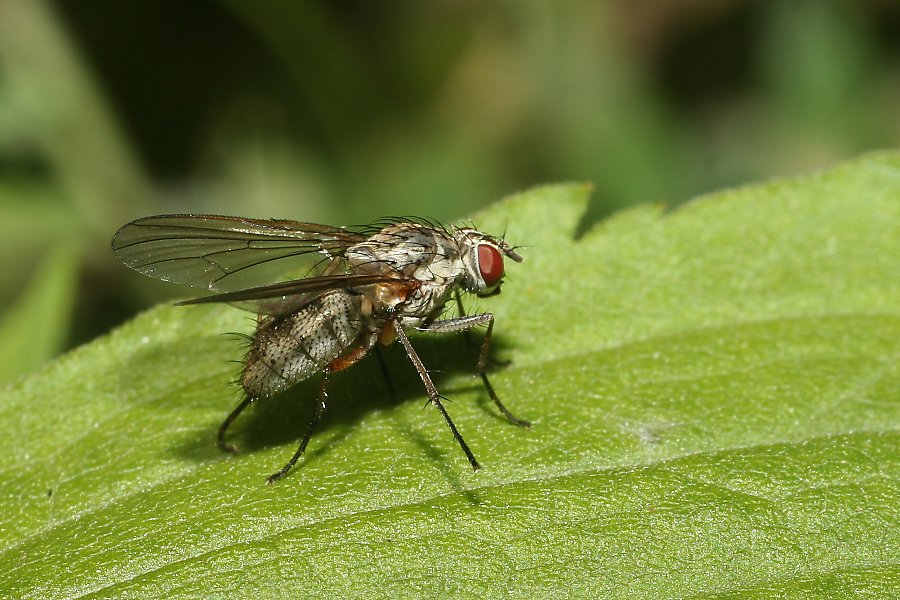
[289, 348]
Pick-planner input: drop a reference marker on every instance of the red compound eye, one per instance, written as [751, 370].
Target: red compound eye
[490, 263]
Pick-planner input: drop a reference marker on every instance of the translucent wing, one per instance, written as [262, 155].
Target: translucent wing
[227, 254]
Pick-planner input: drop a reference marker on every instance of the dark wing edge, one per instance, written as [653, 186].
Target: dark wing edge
[290, 296]
[223, 253]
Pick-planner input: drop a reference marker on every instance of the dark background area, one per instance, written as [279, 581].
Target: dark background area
[342, 112]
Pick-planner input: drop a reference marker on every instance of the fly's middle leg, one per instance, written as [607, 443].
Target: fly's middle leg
[433, 394]
[464, 324]
[389, 382]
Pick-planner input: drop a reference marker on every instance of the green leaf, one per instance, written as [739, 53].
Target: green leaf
[715, 395]
[34, 329]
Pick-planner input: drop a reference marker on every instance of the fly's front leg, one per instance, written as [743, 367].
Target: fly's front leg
[464, 324]
[433, 394]
[461, 310]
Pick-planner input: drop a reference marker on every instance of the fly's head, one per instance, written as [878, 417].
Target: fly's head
[482, 256]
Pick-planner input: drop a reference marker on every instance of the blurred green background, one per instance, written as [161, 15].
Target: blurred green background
[341, 112]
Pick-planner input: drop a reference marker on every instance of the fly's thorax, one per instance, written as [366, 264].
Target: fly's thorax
[383, 298]
[424, 259]
[429, 262]
[408, 250]
[414, 304]
[287, 349]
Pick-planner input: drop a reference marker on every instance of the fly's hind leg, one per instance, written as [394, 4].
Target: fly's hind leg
[464, 324]
[220, 436]
[321, 406]
[337, 364]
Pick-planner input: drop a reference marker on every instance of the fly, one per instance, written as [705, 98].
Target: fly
[362, 288]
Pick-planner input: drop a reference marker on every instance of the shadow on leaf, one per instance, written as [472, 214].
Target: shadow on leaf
[352, 394]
